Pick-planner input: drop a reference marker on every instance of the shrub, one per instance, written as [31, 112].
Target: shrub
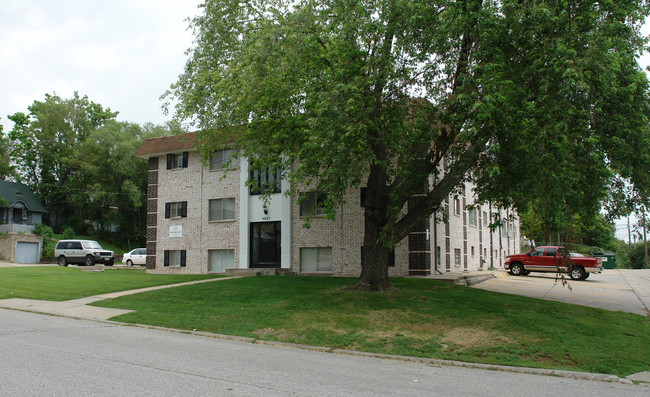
[68, 233]
[43, 230]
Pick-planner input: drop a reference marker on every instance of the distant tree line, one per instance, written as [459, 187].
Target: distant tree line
[79, 161]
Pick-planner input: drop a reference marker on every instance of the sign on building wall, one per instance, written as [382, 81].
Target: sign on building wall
[176, 231]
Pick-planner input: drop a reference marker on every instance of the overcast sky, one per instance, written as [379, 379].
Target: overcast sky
[123, 54]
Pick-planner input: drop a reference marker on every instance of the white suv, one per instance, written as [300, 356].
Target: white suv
[86, 252]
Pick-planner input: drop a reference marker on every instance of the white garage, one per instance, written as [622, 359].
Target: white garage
[27, 252]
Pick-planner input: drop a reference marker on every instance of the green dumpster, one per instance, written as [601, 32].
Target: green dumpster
[609, 259]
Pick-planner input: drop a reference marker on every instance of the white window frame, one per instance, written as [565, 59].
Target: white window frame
[320, 254]
[220, 215]
[222, 258]
[222, 160]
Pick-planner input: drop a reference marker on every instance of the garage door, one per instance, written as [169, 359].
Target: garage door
[27, 252]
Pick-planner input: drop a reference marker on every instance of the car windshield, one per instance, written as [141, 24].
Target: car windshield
[92, 245]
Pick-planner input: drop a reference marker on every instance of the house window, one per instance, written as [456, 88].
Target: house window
[174, 258]
[176, 209]
[222, 159]
[312, 203]
[391, 256]
[456, 206]
[265, 180]
[177, 160]
[316, 259]
[472, 217]
[220, 260]
[221, 209]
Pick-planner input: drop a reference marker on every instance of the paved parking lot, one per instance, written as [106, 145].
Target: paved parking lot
[614, 289]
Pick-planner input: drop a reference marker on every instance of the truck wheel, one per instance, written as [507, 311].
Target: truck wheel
[89, 260]
[517, 269]
[62, 261]
[586, 276]
[577, 273]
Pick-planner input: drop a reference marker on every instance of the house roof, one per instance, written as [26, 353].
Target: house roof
[166, 144]
[13, 192]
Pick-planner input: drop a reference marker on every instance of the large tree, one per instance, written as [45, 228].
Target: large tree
[534, 101]
[45, 147]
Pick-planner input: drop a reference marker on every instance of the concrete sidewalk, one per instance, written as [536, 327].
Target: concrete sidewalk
[80, 308]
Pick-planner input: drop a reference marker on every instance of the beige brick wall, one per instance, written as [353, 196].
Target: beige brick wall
[344, 234]
[197, 185]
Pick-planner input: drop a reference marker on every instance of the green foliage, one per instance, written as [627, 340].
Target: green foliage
[69, 233]
[80, 163]
[43, 230]
[637, 256]
[544, 101]
[6, 169]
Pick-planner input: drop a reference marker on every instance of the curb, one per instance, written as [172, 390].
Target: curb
[429, 361]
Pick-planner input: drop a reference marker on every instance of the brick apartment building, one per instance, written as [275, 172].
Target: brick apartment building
[203, 218]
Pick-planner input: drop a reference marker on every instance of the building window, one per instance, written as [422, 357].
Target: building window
[221, 209]
[222, 159]
[473, 254]
[220, 260]
[174, 258]
[266, 180]
[485, 218]
[457, 257]
[316, 259]
[176, 209]
[177, 160]
[456, 206]
[472, 217]
[312, 203]
[362, 198]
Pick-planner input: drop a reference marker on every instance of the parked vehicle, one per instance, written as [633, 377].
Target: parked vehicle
[553, 259]
[137, 256]
[85, 252]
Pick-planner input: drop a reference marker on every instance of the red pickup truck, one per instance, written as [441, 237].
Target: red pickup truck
[553, 259]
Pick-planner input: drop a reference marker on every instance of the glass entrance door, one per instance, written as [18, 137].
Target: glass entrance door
[265, 244]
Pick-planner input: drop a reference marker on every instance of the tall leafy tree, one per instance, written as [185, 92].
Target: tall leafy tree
[115, 182]
[542, 100]
[45, 148]
[6, 170]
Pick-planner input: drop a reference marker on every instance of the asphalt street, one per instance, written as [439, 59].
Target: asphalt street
[60, 356]
[615, 289]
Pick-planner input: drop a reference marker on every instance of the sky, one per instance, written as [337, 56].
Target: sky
[122, 54]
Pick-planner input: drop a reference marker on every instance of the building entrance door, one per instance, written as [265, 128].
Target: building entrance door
[265, 244]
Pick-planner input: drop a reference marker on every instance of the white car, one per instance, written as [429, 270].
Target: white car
[137, 256]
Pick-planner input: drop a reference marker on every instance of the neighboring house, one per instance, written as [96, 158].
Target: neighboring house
[203, 218]
[17, 220]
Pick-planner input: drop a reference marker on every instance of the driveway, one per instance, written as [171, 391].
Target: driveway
[615, 289]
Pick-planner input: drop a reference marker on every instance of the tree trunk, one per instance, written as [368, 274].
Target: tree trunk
[374, 261]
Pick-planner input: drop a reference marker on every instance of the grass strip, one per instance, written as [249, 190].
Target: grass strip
[423, 318]
[65, 283]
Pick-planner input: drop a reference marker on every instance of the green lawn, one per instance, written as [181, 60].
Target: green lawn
[424, 318]
[64, 283]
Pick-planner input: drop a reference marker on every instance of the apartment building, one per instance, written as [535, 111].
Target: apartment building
[204, 218]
